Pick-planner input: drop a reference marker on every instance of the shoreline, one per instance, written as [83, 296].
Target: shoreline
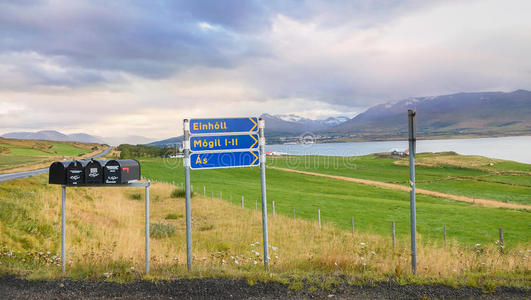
[404, 138]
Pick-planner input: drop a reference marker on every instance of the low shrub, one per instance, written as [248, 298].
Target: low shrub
[161, 230]
[206, 227]
[180, 193]
[136, 196]
[173, 216]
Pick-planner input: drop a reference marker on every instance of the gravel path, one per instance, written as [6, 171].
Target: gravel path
[222, 288]
[485, 202]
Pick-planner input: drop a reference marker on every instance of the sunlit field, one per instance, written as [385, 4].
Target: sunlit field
[105, 240]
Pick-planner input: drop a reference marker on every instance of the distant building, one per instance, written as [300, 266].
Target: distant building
[274, 153]
[398, 152]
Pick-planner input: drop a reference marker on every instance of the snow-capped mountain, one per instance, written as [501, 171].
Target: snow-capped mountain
[330, 121]
[279, 128]
[481, 114]
[291, 124]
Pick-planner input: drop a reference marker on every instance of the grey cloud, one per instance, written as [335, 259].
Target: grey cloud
[156, 39]
[361, 13]
[235, 15]
[94, 42]
[147, 41]
[17, 66]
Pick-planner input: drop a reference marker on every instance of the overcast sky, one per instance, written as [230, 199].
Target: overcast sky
[114, 68]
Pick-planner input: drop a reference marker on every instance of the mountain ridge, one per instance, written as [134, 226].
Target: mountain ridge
[467, 114]
[478, 113]
[54, 135]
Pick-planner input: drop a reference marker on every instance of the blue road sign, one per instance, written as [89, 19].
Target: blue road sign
[216, 160]
[223, 125]
[224, 142]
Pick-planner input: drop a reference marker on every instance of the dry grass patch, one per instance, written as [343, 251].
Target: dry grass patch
[105, 239]
[451, 159]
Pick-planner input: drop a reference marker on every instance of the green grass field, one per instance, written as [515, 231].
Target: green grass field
[10, 161]
[25, 153]
[372, 208]
[52, 149]
[504, 181]
[105, 234]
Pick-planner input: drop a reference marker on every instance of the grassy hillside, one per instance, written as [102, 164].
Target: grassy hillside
[16, 155]
[372, 208]
[105, 240]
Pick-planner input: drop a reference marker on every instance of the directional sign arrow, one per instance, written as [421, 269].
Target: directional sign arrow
[216, 160]
[198, 126]
[224, 142]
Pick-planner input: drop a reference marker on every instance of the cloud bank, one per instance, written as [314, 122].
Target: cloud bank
[140, 67]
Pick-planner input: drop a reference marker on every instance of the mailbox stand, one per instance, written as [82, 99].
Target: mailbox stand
[63, 218]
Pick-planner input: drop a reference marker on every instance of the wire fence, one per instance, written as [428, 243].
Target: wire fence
[244, 202]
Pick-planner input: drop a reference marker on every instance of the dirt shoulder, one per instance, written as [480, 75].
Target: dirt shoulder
[485, 202]
[224, 288]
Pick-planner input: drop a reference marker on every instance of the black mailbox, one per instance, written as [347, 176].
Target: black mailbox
[93, 170]
[121, 171]
[57, 172]
[75, 174]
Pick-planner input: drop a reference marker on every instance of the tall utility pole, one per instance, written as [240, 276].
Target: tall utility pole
[261, 125]
[412, 150]
[186, 160]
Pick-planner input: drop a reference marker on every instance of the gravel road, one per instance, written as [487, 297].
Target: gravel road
[222, 288]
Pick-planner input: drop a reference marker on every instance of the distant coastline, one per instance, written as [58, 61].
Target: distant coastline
[401, 138]
[514, 148]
